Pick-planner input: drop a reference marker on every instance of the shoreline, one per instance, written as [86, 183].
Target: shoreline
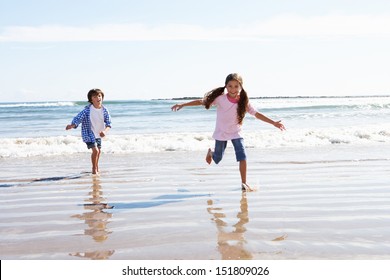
[318, 205]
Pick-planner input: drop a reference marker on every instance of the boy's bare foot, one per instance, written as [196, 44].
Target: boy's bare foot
[209, 156]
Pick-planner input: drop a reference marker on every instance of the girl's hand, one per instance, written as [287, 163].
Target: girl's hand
[176, 107]
[279, 125]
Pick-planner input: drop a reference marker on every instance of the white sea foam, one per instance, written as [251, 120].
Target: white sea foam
[38, 104]
[357, 103]
[160, 142]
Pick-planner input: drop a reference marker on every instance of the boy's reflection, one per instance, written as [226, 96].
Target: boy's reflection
[96, 219]
[231, 244]
[95, 255]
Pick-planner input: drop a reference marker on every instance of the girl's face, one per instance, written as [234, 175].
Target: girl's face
[233, 88]
[97, 100]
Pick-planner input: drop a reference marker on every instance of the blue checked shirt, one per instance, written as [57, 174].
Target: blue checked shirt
[84, 118]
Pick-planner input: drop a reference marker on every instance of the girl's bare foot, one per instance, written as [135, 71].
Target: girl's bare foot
[209, 156]
[246, 188]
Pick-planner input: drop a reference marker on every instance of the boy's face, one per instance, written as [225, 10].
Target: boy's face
[97, 100]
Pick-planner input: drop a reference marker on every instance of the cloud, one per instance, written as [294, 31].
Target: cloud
[286, 26]
[330, 25]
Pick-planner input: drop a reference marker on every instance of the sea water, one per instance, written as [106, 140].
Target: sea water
[147, 126]
[322, 185]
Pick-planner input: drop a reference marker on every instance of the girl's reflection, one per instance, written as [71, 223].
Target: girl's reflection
[231, 244]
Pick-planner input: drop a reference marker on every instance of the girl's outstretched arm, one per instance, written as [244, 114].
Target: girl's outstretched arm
[263, 118]
[197, 102]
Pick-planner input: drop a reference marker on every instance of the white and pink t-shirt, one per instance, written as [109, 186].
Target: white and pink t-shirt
[227, 126]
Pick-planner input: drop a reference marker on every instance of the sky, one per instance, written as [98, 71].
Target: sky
[58, 50]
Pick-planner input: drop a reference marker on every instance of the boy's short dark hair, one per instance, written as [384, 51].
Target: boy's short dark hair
[94, 92]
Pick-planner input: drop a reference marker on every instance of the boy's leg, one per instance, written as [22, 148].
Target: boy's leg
[94, 159]
[97, 160]
[99, 146]
[94, 156]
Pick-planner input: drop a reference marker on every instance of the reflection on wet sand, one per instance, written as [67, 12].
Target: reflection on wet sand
[97, 220]
[231, 244]
[94, 255]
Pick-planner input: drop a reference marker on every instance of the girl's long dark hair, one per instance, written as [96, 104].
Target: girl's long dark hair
[210, 96]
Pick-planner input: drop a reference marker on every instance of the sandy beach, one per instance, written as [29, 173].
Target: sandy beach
[329, 203]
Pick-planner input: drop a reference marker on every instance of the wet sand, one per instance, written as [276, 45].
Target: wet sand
[317, 204]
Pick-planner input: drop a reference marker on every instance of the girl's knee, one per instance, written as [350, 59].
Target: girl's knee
[216, 159]
[239, 149]
[219, 150]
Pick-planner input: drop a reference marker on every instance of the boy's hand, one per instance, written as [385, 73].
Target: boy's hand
[104, 132]
[69, 126]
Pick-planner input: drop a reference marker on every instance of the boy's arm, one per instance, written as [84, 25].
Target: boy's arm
[263, 118]
[197, 102]
[77, 120]
[107, 118]
[107, 121]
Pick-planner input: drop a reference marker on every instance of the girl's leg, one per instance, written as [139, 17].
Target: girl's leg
[244, 185]
[243, 171]
[219, 150]
[209, 156]
[239, 148]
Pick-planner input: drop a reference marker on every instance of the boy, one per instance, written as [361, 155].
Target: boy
[95, 122]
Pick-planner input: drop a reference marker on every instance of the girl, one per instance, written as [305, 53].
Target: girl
[232, 104]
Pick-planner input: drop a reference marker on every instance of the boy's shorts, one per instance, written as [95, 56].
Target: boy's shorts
[220, 147]
[98, 143]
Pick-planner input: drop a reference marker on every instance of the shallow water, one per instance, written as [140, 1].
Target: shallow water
[310, 204]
